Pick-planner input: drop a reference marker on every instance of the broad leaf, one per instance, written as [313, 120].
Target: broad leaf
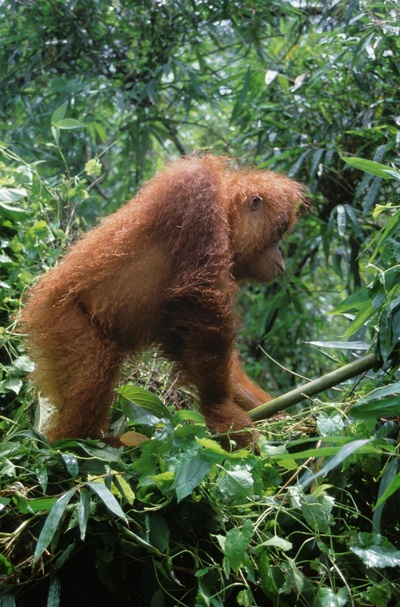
[237, 542]
[158, 533]
[59, 113]
[236, 484]
[327, 597]
[145, 400]
[189, 473]
[376, 551]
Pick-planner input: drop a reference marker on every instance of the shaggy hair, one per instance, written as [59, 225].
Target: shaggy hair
[164, 269]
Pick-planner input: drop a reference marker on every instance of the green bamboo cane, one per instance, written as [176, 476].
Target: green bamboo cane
[314, 387]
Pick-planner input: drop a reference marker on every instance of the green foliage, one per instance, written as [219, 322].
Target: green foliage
[293, 88]
[37, 218]
[308, 88]
[377, 305]
[197, 524]
[380, 402]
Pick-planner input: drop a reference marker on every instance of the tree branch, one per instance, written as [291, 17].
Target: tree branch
[314, 387]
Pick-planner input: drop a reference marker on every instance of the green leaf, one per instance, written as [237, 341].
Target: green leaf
[327, 597]
[294, 578]
[318, 452]
[389, 390]
[389, 328]
[9, 195]
[107, 498]
[5, 260]
[316, 161]
[64, 555]
[383, 402]
[377, 594]
[376, 551]
[354, 302]
[14, 384]
[372, 195]
[144, 407]
[317, 511]
[136, 539]
[236, 484]
[383, 408]
[350, 10]
[341, 220]
[387, 487]
[7, 599]
[124, 489]
[189, 473]
[104, 455]
[360, 320]
[24, 363]
[188, 415]
[369, 166]
[158, 532]
[54, 592]
[294, 168]
[51, 524]
[243, 93]
[163, 481]
[59, 113]
[212, 447]
[14, 213]
[393, 486]
[55, 131]
[40, 504]
[68, 124]
[83, 511]
[277, 542]
[390, 230]
[355, 224]
[5, 568]
[71, 464]
[393, 173]
[145, 400]
[237, 541]
[330, 425]
[337, 459]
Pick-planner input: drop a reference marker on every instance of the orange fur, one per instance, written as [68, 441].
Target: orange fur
[164, 269]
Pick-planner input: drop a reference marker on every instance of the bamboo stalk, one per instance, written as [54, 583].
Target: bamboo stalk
[314, 387]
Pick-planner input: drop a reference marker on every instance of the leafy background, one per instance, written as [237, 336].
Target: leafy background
[96, 97]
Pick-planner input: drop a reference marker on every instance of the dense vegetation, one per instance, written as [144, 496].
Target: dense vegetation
[96, 97]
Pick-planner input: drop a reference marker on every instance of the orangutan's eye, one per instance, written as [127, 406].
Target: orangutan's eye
[255, 202]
